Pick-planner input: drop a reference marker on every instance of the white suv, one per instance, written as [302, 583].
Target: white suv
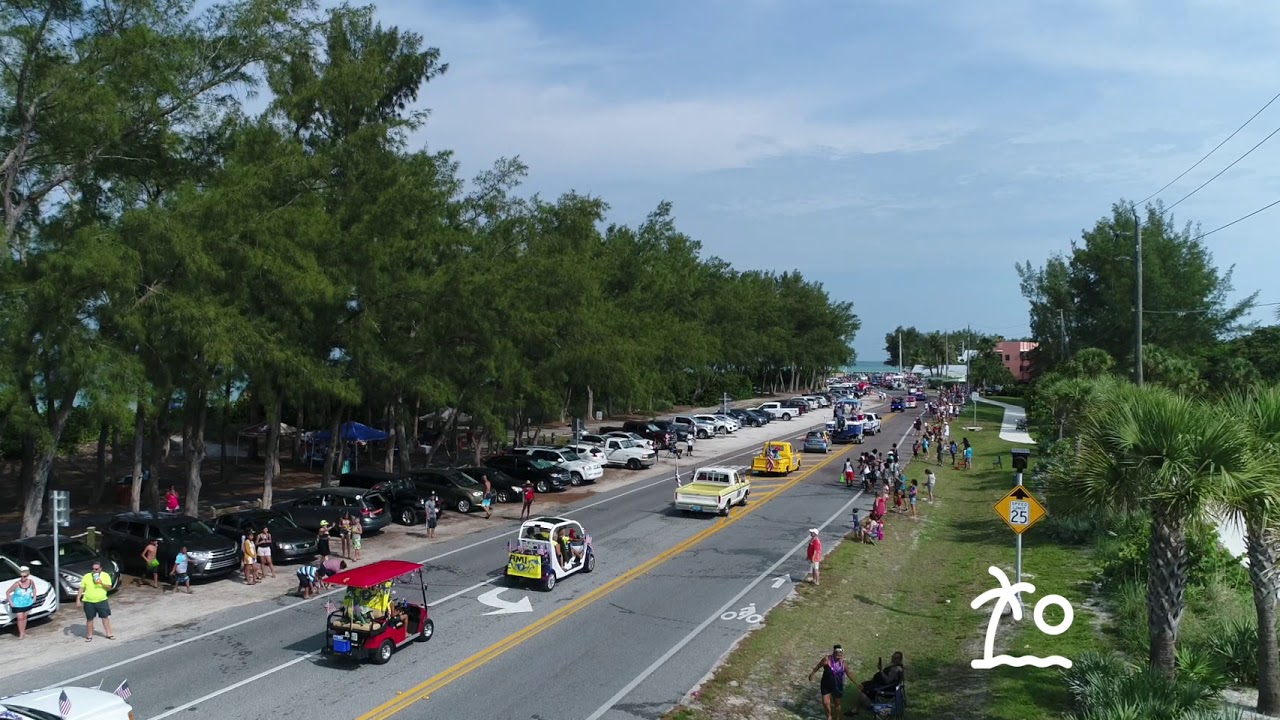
[580, 471]
[716, 422]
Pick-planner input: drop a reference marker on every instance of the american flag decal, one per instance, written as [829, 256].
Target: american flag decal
[64, 704]
[123, 691]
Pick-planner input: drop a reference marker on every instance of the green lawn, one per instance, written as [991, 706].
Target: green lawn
[912, 593]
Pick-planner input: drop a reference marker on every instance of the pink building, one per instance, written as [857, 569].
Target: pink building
[1017, 357]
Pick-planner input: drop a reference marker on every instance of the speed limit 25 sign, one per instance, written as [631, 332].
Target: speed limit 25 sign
[1020, 510]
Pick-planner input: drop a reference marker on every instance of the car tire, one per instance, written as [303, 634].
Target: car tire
[116, 560]
[633, 464]
[503, 496]
[703, 435]
[786, 416]
[724, 511]
[542, 487]
[549, 582]
[463, 506]
[406, 516]
[575, 479]
[428, 631]
[590, 563]
[384, 652]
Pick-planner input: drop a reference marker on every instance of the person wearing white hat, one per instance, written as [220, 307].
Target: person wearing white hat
[21, 596]
[814, 554]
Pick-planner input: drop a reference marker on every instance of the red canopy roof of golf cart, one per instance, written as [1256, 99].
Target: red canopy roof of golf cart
[373, 574]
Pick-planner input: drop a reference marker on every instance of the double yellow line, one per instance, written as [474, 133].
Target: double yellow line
[438, 681]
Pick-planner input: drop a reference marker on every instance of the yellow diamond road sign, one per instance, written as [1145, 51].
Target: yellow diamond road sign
[1020, 510]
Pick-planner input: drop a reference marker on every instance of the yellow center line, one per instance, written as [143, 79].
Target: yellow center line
[435, 683]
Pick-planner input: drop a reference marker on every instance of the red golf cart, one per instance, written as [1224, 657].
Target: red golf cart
[372, 623]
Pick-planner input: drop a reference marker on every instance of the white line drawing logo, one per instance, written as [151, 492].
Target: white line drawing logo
[1007, 595]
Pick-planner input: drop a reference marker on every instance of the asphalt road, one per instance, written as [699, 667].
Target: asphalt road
[626, 641]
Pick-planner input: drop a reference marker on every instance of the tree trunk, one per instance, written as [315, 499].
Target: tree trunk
[402, 444]
[27, 471]
[224, 433]
[117, 449]
[33, 505]
[139, 435]
[198, 414]
[1166, 588]
[591, 406]
[159, 441]
[333, 459]
[100, 481]
[1262, 575]
[389, 454]
[254, 453]
[296, 445]
[272, 460]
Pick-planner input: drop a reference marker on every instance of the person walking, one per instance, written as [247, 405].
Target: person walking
[814, 554]
[526, 510]
[151, 562]
[834, 672]
[433, 515]
[265, 562]
[180, 572]
[487, 500]
[93, 598]
[848, 473]
[21, 596]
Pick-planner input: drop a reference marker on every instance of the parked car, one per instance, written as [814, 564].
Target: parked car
[798, 404]
[75, 560]
[456, 489]
[46, 602]
[126, 536]
[722, 423]
[655, 430]
[588, 452]
[644, 442]
[408, 506]
[624, 452]
[545, 476]
[81, 704]
[752, 418]
[692, 425]
[580, 471]
[288, 541]
[328, 505]
[505, 488]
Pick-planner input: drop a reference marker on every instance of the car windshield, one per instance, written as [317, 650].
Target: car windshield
[276, 522]
[462, 479]
[542, 464]
[8, 571]
[570, 456]
[192, 529]
[74, 551]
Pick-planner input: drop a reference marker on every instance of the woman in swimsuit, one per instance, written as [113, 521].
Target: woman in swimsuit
[834, 671]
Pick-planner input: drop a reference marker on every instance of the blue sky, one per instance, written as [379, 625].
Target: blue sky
[904, 153]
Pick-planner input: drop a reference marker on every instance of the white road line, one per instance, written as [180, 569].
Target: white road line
[463, 591]
[693, 634]
[271, 613]
[229, 688]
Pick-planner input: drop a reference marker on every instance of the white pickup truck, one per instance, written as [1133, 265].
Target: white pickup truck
[713, 490]
[777, 411]
[870, 424]
[620, 452]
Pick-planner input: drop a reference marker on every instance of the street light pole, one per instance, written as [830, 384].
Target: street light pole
[1137, 224]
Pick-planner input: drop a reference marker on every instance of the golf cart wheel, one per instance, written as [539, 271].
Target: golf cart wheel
[633, 464]
[385, 651]
[407, 516]
[463, 506]
[542, 486]
[549, 582]
[590, 563]
[428, 631]
[575, 479]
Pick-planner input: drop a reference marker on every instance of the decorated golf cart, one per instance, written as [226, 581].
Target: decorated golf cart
[372, 622]
[547, 550]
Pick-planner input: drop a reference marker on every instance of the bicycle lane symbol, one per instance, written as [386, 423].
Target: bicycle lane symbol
[747, 614]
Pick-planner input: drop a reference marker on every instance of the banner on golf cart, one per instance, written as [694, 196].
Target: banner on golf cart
[525, 566]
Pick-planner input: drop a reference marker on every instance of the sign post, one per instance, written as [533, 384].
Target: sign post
[974, 397]
[1019, 509]
[60, 512]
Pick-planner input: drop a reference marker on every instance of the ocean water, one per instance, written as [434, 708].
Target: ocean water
[869, 366]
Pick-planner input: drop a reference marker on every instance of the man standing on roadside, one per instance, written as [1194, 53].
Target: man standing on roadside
[179, 571]
[152, 562]
[93, 598]
[814, 554]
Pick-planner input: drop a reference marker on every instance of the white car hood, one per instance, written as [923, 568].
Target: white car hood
[86, 703]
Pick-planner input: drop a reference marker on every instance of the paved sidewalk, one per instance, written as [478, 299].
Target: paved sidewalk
[1009, 426]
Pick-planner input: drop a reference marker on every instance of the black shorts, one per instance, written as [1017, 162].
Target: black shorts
[94, 610]
[834, 691]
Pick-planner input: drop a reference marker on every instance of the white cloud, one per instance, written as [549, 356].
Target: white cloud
[513, 89]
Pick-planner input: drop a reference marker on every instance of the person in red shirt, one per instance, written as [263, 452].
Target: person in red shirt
[814, 553]
[526, 510]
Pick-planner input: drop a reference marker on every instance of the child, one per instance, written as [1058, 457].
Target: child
[357, 531]
[912, 492]
[688, 445]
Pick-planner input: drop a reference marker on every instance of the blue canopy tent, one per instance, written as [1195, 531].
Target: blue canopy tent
[352, 432]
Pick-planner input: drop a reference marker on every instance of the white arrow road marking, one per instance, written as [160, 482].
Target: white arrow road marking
[505, 607]
[781, 581]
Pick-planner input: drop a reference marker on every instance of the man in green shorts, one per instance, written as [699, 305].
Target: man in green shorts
[151, 562]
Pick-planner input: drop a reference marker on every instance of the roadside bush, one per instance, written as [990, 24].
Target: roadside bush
[1106, 687]
[1072, 529]
[1234, 646]
[1124, 543]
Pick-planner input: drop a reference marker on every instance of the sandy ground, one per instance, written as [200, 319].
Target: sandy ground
[139, 610]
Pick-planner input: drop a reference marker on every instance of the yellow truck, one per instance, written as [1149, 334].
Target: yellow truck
[777, 457]
[713, 490]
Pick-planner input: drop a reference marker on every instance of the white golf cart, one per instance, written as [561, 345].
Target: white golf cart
[547, 550]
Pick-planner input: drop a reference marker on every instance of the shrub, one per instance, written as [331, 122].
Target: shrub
[1234, 645]
[1106, 687]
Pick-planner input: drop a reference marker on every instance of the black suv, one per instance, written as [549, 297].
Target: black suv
[545, 476]
[505, 488]
[656, 430]
[408, 505]
[210, 554]
[328, 504]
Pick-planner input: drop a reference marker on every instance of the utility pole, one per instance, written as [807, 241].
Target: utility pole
[1137, 226]
[899, 352]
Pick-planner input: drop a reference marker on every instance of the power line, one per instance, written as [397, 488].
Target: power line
[1239, 219]
[1214, 150]
[1198, 312]
[1223, 170]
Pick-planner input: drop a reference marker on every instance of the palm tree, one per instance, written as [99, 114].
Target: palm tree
[1149, 448]
[1256, 501]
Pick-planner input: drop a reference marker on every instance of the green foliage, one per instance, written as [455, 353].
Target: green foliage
[1106, 687]
[1123, 553]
